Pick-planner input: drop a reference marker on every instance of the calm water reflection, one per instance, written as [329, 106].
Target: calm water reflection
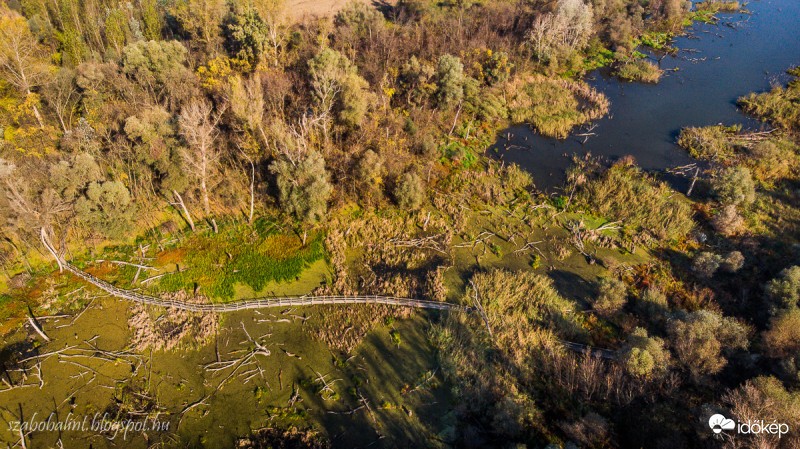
[716, 65]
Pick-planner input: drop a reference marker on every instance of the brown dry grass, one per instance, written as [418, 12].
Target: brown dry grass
[301, 8]
[168, 328]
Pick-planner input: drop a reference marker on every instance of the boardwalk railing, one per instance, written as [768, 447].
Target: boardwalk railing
[289, 301]
[258, 303]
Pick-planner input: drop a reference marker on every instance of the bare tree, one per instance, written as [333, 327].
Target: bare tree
[62, 95]
[30, 207]
[198, 125]
[292, 141]
[570, 27]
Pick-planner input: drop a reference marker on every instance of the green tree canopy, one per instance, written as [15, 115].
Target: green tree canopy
[304, 188]
[338, 87]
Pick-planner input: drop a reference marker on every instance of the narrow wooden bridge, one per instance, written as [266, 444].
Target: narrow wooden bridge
[259, 303]
[289, 301]
[265, 303]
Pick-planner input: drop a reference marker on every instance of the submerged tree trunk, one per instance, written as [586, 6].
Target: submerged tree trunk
[48, 245]
[36, 326]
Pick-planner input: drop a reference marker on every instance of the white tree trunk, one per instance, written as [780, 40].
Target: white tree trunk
[185, 210]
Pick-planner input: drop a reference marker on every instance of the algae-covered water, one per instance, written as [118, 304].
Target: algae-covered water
[202, 410]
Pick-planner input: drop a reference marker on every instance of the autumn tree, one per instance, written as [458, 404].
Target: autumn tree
[158, 67]
[700, 338]
[782, 338]
[245, 98]
[22, 58]
[200, 20]
[415, 78]
[766, 398]
[62, 95]
[338, 88]
[151, 19]
[155, 157]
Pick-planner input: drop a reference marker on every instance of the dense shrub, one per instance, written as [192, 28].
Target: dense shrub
[727, 221]
[711, 143]
[700, 338]
[555, 106]
[732, 262]
[779, 105]
[783, 336]
[735, 186]
[612, 294]
[706, 264]
[652, 304]
[410, 191]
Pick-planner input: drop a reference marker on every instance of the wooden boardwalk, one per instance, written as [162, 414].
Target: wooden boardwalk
[292, 301]
[287, 301]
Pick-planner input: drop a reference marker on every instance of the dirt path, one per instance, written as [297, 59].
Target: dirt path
[300, 8]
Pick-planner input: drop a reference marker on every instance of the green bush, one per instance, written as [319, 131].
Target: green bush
[706, 264]
[735, 186]
[784, 291]
[450, 84]
[644, 356]
[410, 191]
[612, 294]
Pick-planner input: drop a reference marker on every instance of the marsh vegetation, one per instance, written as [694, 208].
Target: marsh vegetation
[211, 152]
